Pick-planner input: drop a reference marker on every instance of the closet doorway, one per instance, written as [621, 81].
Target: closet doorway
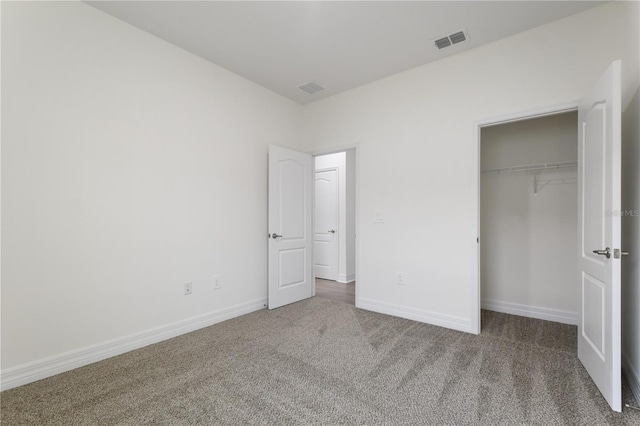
[334, 258]
[528, 218]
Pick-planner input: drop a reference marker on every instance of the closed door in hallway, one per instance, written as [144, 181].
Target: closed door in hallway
[326, 224]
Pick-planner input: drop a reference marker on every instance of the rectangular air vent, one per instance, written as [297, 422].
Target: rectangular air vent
[457, 37]
[451, 39]
[443, 42]
[311, 87]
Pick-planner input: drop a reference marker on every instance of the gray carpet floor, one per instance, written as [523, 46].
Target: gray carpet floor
[327, 363]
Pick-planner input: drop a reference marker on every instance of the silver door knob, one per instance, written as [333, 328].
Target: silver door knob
[333, 231]
[274, 236]
[606, 252]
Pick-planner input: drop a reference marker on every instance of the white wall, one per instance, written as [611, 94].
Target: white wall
[129, 167]
[631, 243]
[528, 240]
[631, 43]
[351, 214]
[417, 158]
[346, 233]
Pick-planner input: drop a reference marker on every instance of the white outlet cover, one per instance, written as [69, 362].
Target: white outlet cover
[379, 217]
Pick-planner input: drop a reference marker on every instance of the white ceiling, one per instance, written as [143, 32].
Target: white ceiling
[342, 45]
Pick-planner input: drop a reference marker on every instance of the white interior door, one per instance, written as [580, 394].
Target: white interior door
[325, 249]
[290, 232]
[599, 118]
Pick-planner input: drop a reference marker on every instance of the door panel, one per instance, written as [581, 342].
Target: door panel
[593, 303]
[326, 225]
[292, 270]
[599, 117]
[594, 158]
[292, 198]
[290, 236]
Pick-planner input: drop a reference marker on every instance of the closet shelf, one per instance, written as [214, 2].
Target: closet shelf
[529, 167]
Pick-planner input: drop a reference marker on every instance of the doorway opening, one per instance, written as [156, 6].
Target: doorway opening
[528, 222]
[334, 229]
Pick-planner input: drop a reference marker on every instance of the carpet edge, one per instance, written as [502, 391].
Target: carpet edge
[531, 311]
[429, 317]
[56, 364]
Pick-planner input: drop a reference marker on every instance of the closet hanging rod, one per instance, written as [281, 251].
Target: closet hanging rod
[528, 167]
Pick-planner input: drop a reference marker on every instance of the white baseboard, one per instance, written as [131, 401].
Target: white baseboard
[429, 317]
[631, 374]
[556, 315]
[346, 278]
[50, 366]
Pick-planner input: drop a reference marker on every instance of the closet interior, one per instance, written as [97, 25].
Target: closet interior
[528, 217]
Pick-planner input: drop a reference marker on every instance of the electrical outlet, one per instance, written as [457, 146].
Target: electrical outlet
[188, 289]
[217, 282]
[400, 279]
[378, 217]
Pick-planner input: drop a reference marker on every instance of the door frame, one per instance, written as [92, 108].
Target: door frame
[476, 299]
[355, 147]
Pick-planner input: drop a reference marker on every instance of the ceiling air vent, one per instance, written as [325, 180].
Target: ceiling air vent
[455, 38]
[311, 87]
[443, 42]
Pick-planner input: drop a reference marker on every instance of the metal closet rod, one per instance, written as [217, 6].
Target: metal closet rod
[529, 167]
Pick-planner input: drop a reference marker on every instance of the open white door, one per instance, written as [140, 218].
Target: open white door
[325, 249]
[599, 121]
[290, 232]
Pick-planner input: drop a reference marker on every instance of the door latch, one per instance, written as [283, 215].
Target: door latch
[617, 253]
